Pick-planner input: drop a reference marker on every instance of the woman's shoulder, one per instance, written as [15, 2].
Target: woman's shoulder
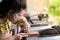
[22, 17]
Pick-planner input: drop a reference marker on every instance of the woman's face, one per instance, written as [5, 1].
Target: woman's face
[23, 12]
[15, 17]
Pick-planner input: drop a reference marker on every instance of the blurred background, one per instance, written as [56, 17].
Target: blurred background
[55, 10]
[50, 7]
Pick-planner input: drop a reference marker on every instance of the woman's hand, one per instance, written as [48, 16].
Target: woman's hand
[17, 37]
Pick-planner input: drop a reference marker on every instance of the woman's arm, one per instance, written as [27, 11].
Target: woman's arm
[26, 26]
[30, 34]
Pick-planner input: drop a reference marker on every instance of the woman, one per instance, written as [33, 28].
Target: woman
[11, 10]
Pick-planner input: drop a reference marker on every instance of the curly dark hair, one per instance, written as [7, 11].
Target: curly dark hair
[14, 5]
